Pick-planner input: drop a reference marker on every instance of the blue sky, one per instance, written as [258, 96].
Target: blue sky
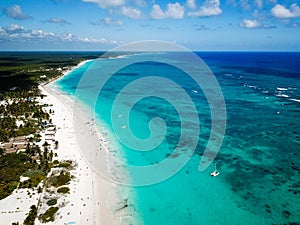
[196, 24]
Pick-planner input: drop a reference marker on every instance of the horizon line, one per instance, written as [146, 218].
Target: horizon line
[98, 51]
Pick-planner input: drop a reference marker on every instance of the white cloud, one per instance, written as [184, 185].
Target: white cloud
[174, 11]
[14, 27]
[256, 23]
[245, 4]
[15, 32]
[67, 37]
[91, 40]
[256, 13]
[250, 23]
[57, 21]
[209, 8]
[96, 40]
[140, 3]
[191, 4]
[131, 12]
[41, 34]
[110, 21]
[107, 3]
[38, 34]
[1, 30]
[157, 13]
[15, 12]
[280, 11]
[259, 3]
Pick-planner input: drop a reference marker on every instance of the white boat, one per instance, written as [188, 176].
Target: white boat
[215, 172]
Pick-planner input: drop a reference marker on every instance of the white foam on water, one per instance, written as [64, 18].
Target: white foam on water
[281, 89]
[282, 95]
[295, 100]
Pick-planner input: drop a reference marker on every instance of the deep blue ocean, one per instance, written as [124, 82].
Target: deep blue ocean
[259, 160]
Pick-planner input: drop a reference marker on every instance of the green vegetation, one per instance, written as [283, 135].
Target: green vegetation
[62, 179]
[12, 166]
[29, 220]
[55, 162]
[7, 127]
[21, 115]
[36, 176]
[48, 216]
[52, 202]
[2, 151]
[27, 111]
[20, 73]
[63, 190]
[65, 164]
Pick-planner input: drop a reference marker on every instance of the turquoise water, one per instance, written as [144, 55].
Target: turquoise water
[259, 161]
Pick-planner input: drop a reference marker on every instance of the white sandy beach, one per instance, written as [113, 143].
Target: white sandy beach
[85, 205]
[92, 198]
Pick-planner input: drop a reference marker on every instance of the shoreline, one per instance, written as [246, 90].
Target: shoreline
[104, 197]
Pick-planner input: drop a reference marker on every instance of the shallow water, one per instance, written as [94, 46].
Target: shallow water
[259, 162]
